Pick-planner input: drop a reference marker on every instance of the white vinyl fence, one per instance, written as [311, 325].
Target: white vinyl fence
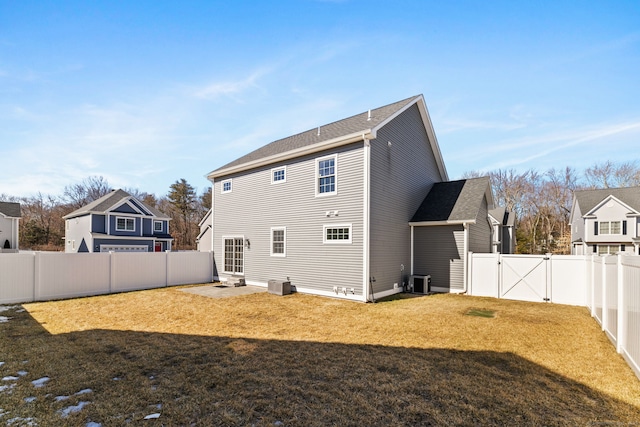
[41, 276]
[609, 286]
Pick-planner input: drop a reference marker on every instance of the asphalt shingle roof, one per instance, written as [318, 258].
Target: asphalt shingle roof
[589, 199]
[107, 201]
[10, 209]
[344, 127]
[453, 201]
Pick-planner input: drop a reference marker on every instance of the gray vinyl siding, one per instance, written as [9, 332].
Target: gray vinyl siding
[480, 232]
[255, 205]
[401, 176]
[439, 252]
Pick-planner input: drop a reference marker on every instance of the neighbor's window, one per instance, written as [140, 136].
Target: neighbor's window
[278, 175]
[157, 226]
[125, 224]
[608, 249]
[226, 186]
[326, 175]
[337, 233]
[278, 241]
[610, 227]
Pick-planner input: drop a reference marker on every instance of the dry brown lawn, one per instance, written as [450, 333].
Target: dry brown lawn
[302, 360]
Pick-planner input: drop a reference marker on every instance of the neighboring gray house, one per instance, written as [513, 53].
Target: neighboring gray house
[9, 226]
[329, 209]
[451, 222]
[605, 221]
[503, 222]
[117, 222]
[205, 238]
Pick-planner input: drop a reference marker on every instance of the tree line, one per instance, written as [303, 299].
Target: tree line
[42, 226]
[542, 200]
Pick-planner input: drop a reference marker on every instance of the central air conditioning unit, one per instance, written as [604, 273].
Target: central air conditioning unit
[278, 287]
[420, 284]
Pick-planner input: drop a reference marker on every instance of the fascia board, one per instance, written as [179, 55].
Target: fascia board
[310, 149]
[447, 222]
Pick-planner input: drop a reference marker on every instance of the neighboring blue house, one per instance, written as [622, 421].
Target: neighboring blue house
[117, 222]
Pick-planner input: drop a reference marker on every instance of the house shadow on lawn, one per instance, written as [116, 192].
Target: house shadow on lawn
[196, 380]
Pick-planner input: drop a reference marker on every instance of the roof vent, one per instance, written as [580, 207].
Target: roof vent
[318, 130]
[369, 116]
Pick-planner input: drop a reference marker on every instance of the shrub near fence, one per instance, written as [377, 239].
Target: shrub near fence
[42, 276]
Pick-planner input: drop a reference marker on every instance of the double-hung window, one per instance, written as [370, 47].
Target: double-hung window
[279, 241]
[125, 224]
[610, 227]
[157, 226]
[327, 175]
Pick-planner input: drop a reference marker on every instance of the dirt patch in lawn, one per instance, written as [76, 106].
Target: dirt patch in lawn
[302, 360]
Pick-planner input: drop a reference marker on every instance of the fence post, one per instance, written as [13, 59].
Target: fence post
[166, 268]
[549, 286]
[470, 273]
[621, 341]
[592, 293]
[112, 270]
[605, 314]
[36, 274]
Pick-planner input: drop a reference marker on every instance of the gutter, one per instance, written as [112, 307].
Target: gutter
[309, 149]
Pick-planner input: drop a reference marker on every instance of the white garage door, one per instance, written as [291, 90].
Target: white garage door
[124, 248]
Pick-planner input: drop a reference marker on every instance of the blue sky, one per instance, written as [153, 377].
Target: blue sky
[147, 92]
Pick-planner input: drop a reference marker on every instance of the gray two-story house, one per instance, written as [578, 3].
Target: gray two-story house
[117, 222]
[605, 221]
[329, 209]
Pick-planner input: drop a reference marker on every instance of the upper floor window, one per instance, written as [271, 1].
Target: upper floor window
[157, 226]
[125, 224]
[610, 227]
[226, 186]
[326, 175]
[278, 175]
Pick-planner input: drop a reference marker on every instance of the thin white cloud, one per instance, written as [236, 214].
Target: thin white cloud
[233, 87]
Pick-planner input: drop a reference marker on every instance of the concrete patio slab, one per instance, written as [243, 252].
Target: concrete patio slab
[222, 291]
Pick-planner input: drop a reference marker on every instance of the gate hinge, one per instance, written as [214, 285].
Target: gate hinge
[546, 258]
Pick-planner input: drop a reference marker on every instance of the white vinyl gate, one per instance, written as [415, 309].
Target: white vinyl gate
[553, 278]
[524, 277]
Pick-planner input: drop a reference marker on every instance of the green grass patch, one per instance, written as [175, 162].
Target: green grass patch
[480, 312]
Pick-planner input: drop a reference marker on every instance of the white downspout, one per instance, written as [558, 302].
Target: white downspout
[365, 220]
[412, 243]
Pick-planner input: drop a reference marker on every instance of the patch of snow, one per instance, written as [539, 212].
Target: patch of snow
[4, 319]
[278, 423]
[8, 307]
[93, 424]
[159, 406]
[1, 363]
[152, 416]
[10, 378]
[22, 310]
[61, 398]
[22, 373]
[6, 387]
[84, 391]
[115, 379]
[72, 409]
[30, 399]
[22, 421]
[40, 382]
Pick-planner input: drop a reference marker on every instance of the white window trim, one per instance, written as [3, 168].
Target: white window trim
[222, 190]
[284, 251]
[335, 174]
[161, 226]
[223, 254]
[609, 246]
[126, 220]
[337, 242]
[274, 170]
